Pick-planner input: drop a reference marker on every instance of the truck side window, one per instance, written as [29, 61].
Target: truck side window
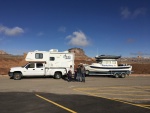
[39, 55]
[31, 65]
[39, 65]
[51, 58]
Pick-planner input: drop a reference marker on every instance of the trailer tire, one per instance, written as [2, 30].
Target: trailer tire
[116, 75]
[57, 75]
[17, 76]
[123, 75]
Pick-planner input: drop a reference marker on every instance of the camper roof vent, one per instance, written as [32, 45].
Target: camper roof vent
[66, 51]
[53, 50]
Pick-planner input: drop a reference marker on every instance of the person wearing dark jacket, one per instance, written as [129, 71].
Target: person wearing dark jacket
[79, 77]
[83, 73]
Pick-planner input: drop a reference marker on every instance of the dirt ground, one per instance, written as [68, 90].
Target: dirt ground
[7, 62]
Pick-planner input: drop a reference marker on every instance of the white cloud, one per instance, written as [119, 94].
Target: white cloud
[11, 31]
[130, 40]
[62, 29]
[128, 14]
[78, 38]
[40, 34]
[140, 11]
[125, 12]
[140, 53]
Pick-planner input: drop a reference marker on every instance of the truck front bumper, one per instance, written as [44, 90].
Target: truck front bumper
[10, 74]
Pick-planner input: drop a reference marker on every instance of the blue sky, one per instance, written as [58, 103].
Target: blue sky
[114, 27]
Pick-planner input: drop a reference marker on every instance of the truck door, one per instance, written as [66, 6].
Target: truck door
[34, 69]
[40, 69]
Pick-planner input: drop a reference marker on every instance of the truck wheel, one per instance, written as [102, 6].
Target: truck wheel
[17, 76]
[57, 75]
[11, 77]
[123, 75]
[116, 75]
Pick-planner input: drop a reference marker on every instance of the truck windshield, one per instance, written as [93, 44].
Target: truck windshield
[24, 65]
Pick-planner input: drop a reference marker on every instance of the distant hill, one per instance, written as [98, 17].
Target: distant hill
[2, 52]
[140, 65]
[80, 56]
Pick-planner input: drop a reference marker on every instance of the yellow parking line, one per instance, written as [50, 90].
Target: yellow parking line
[108, 90]
[56, 104]
[127, 87]
[144, 105]
[122, 94]
[134, 91]
[130, 87]
[91, 94]
[88, 88]
[132, 99]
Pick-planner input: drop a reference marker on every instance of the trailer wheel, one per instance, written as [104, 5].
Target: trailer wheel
[17, 76]
[123, 75]
[57, 75]
[116, 75]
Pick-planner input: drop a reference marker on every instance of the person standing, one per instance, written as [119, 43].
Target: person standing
[83, 73]
[70, 72]
[75, 75]
[79, 73]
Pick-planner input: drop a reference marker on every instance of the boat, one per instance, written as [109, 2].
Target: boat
[108, 65]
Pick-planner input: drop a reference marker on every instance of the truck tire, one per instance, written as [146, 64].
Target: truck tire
[11, 77]
[57, 75]
[17, 76]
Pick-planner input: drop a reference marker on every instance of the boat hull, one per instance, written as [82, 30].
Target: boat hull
[94, 70]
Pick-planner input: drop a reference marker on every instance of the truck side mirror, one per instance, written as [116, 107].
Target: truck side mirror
[26, 67]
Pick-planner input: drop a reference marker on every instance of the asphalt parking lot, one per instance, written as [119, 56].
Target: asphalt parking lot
[97, 94]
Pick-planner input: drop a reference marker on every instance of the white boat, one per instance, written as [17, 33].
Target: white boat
[108, 65]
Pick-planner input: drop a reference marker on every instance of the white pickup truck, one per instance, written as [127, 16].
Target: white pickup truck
[44, 63]
[36, 69]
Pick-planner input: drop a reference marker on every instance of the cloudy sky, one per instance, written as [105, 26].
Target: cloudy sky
[115, 27]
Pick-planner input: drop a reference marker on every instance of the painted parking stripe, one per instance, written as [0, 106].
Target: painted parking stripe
[67, 109]
[144, 105]
[122, 94]
[91, 94]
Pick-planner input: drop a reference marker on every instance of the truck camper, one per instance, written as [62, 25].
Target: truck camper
[44, 63]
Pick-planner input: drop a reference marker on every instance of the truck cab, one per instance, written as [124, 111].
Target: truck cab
[34, 68]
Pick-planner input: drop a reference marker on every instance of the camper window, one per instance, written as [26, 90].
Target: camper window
[51, 58]
[39, 55]
[113, 62]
